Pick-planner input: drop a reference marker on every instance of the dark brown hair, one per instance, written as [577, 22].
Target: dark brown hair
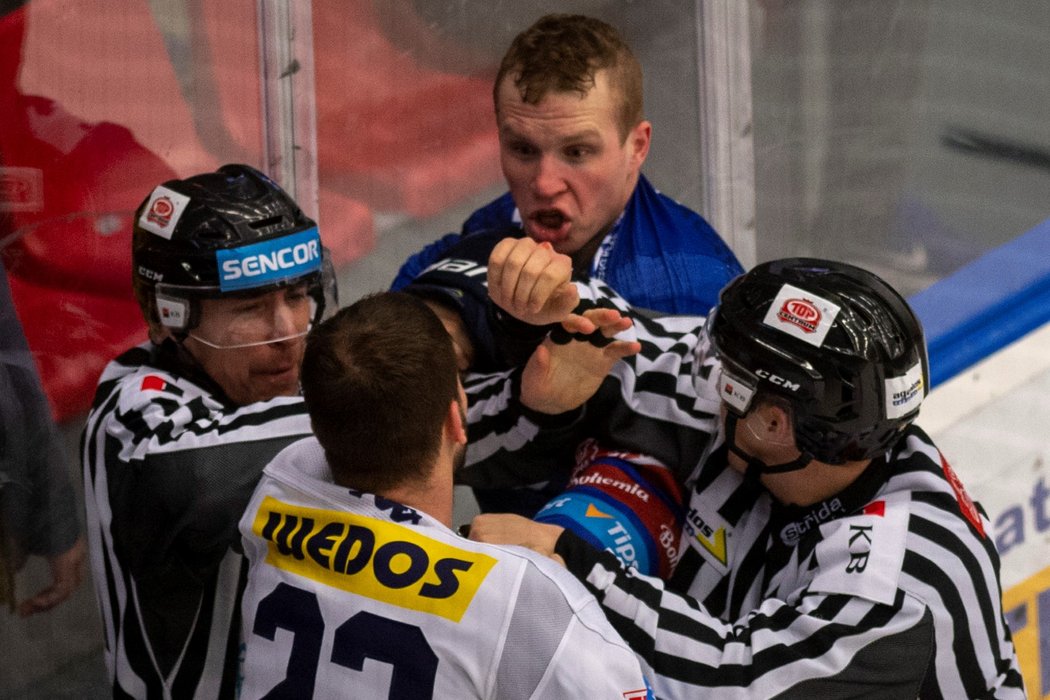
[562, 53]
[378, 378]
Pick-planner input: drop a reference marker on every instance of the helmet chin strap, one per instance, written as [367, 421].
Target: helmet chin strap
[755, 466]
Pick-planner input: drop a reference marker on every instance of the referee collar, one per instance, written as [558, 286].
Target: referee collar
[791, 523]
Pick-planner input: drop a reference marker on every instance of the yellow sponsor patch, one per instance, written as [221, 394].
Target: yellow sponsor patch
[1026, 609]
[712, 539]
[373, 558]
[716, 545]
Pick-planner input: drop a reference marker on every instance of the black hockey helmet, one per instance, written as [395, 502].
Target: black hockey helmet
[234, 231]
[841, 346]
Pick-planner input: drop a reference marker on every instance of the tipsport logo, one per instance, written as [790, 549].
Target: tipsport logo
[259, 264]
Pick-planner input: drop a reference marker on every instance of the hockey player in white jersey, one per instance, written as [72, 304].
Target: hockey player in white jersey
[830, 550]
[358, 587]
[230, 274]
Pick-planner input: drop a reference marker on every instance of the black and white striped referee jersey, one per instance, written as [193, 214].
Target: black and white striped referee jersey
[169, 467]
[647, 405]
[889, 589]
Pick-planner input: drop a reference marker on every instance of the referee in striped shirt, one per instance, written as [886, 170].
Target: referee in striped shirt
[229, 274]
[830, 550]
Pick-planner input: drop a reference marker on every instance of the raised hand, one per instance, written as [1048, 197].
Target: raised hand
[531, 282]
[561, 376]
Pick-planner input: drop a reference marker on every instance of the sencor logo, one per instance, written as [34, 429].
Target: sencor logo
[261, 263]
[801, 313]
[282, 259]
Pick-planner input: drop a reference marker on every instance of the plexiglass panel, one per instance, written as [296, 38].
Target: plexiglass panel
[99, 102]
[909, 137]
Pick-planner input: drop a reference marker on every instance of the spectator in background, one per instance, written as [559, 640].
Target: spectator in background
[229, 274]
[453, 618]
[38, 508]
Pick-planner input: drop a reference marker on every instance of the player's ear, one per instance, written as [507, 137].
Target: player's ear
[456, 422]
[638, 141]
[773, 424]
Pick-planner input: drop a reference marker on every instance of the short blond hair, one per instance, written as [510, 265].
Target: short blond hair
[563, 53]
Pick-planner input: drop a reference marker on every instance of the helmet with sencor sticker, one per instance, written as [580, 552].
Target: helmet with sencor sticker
[229, 232]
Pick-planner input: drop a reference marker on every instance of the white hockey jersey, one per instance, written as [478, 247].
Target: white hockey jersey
[353, 595]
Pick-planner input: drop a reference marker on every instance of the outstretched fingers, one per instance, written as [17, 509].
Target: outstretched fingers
[571, 363]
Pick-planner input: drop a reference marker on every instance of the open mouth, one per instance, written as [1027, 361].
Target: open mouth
[548, 225]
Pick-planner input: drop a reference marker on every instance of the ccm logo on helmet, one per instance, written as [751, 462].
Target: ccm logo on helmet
[262, 263]
[778, 380]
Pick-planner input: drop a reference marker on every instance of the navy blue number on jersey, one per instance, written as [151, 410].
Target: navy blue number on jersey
[364, 636]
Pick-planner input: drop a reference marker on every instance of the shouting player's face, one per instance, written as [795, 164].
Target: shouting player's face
[569, 168]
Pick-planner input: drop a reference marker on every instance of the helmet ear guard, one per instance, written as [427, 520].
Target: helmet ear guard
[178, 314]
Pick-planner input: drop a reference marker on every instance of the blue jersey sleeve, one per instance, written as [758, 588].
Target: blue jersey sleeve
[414, 266]
[497, 214]
[666, 257]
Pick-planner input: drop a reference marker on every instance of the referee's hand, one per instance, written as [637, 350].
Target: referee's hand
[504, 528]
[563, 373]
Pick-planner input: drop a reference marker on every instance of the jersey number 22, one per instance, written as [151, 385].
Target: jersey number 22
[364, 636]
